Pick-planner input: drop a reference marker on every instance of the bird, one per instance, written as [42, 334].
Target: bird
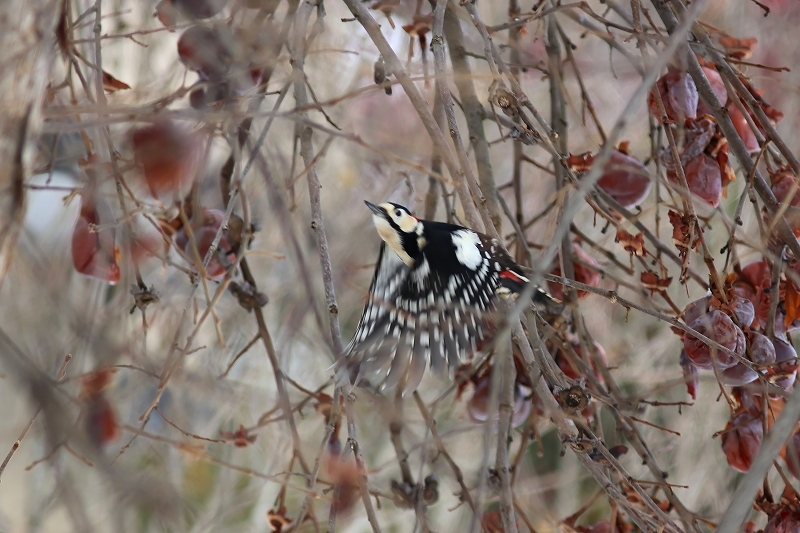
[431, 299]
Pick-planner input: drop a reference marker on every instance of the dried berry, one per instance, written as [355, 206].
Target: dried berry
[784, 372]
[738, 375]
[209, 50]
[167, 154]
[760, 349]
[743, 311]
[625, 179]
[704, 178]
[719, 89]
[94, 253]
[718, 327]
[679, 95]
[743, 128]
[696, 309]
[741, 440]
[478, 405]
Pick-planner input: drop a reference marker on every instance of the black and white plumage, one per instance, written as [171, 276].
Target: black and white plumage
[431, 298]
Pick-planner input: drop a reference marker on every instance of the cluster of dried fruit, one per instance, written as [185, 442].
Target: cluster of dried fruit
[749, 345]
[223, 62]
[704, 150]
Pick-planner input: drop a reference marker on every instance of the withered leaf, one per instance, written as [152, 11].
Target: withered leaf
[653, 283]
[420, 25]
[239, 438]
[112, 84]
[791, 303]
[633, 244]
[581, 162]
[738, 48]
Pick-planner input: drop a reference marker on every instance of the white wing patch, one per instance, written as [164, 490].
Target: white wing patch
[468, 251]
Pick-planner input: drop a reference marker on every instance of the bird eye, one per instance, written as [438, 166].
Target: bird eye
[397, 213]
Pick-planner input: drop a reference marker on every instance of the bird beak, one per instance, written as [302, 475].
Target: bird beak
[376, 209]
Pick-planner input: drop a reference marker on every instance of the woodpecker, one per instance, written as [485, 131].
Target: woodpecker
[431, 298]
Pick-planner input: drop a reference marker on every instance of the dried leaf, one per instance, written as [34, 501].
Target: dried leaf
[112, 84]
[653, 283]
[277, 520]
[420, 25]
[792, 304]
[633, 244]
[738, 48]
[581, 162]
[239, 438]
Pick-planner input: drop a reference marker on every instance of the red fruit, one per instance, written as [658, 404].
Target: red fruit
[625, 179]
[762, 351]
[717, 326]
[167, 155]
[94, 253]
[784, 521]
[678, 93]
[791, 454]
[741, 440]
[743, 128]
[738, 375]
[704, 178]
[699, 134]
[208, 50]
[758, 274]
[719, 89]
[743, 311]
[784, 184]
[696, 309]
[589, 275]
[784, 372]
[204, 235]
[478, 405]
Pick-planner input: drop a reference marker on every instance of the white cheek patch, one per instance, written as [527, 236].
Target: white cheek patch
[390, 237]
[468, 252]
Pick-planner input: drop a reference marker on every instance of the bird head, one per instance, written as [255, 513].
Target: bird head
[399, 229]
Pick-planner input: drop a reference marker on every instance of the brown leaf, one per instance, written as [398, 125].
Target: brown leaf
[239, 438]
[738, 48]
[420, 25]
[112, 84]
[792, 304]
[277, 520]
[653, 283]
[581, 162]
[681, 232]
[633, 244]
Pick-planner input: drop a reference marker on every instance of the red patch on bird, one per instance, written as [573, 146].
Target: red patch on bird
[508, 274]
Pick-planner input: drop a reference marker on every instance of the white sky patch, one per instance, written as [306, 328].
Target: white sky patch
[467, 251]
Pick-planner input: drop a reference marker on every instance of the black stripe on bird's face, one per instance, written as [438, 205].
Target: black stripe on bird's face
[401, 230]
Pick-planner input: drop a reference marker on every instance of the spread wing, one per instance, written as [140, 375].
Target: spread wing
[434, 312]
